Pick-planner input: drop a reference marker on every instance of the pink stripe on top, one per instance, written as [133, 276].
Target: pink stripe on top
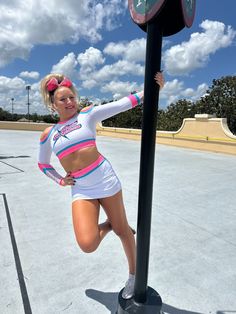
[76, 147]
[44, 166]
[88, 169]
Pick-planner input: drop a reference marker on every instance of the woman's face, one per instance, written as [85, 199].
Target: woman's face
[65, 102]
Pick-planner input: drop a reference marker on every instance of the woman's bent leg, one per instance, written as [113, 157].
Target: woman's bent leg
[88, 232]
[115, 210]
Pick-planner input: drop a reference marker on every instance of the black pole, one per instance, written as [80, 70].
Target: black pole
[151, 96]
[28, 87]
[146, 300]
[28, 104]
[12, 99]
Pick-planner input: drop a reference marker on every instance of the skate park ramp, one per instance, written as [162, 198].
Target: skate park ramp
[193, 236]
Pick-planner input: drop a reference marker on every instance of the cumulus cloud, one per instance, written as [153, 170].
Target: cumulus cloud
[175, 90]
[134, 50]
[66, 65]
[192, 94]
[24, 24]
[13, 88]
[31, 75]
[11, 84]
[184, 58]
[88, 60]
[119, 88]
[93, 73]
[113, 71]
[120, 68]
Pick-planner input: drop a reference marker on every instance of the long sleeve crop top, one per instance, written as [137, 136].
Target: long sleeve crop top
[78, 132]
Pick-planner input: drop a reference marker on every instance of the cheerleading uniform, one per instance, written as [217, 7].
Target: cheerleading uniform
[97, 180]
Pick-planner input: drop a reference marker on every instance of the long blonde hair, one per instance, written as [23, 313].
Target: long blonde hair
[47, 95]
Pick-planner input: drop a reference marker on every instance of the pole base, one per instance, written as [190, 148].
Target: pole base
[152, 305]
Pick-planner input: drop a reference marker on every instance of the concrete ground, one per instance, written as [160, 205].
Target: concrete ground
[193, 238]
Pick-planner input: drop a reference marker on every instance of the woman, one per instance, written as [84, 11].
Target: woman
[91, 177]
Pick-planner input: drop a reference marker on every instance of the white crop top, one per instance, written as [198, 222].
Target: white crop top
[78, 132]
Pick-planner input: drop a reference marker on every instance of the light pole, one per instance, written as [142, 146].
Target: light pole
[12, 99]
[28, 88]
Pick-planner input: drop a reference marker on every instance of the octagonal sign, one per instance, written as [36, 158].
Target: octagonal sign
[143, 11]
[188, 8]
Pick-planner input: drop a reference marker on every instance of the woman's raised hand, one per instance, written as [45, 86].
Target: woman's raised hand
[159, 78]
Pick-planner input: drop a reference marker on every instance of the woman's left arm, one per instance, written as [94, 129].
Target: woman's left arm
[102, 112]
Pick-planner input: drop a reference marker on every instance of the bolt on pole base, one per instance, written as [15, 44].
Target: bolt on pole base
[152, 305]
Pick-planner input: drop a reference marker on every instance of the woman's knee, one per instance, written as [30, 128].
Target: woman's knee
[88, 244]
[121, 230]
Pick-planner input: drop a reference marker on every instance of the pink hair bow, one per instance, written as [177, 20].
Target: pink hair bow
[53, 84]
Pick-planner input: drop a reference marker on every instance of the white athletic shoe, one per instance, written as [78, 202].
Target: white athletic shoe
[128, 291]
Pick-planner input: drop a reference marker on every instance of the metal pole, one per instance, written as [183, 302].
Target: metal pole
[146, 299]
[151, 96]
[12, 99]
[28, 87]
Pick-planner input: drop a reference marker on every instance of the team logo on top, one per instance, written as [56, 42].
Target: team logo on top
[67, 129]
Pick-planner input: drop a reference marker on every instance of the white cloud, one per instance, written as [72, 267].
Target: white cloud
[134, 50]
[89, 60]
[24, 24]
[89, 84]
[31, 75]
[11, 84]
[192, 94]
[110, 73]
[120, 68]
[184, 58]
[66, 65]
[119, 88]
[175, 90]
[15, 88]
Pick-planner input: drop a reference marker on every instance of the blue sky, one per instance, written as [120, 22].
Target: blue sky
[99, 47]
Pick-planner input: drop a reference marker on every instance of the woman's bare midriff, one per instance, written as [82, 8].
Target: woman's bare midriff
[80, 159]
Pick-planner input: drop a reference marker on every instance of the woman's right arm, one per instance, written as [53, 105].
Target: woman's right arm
[44, 157]
[45, 152]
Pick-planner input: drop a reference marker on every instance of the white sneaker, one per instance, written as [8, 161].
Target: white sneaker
[128, 291]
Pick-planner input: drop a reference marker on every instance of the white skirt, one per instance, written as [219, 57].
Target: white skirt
[96, 181]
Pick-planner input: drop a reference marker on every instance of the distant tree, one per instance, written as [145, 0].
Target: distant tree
[5, 115]
[85, 102]
[34, 117]
[129, 119]
[220, 100]
[171, 119]
[49, 118]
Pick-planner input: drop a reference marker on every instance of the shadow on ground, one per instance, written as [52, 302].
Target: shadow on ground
[110, 301]
[8, 157]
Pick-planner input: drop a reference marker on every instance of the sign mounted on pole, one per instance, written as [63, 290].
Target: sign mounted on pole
[172, 15]
[143, 11]
[188, 9]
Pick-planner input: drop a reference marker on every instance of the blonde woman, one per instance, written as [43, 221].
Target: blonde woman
[91, 177]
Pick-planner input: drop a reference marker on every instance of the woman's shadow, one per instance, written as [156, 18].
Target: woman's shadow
[110, 301]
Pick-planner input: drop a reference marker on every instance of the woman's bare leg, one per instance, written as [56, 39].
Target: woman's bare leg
[115, 210]
[88, 232]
